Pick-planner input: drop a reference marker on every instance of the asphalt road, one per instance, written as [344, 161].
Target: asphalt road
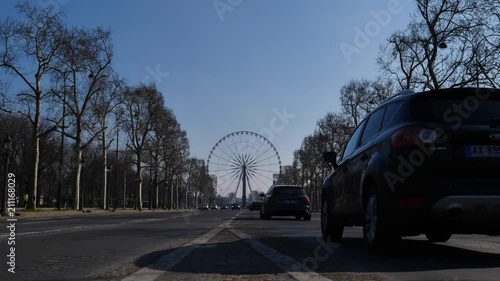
[228, 245]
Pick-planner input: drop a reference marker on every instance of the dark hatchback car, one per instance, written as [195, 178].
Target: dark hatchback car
[255, 206]
[421, 163]
[285, 200]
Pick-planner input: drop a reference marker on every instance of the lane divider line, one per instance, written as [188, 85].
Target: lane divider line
[287, 264]
[168, 261]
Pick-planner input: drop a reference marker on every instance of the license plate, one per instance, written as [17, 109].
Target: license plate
[289, 201]
[482, 151]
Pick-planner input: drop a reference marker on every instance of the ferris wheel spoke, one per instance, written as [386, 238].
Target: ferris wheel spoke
[234, 174]
[262, 170]
[256, 158]
[234, 177]
[252, 147]
[234, 156]
[248, 183]
[231, 157]
[225, 170]
[226, 165]
[230, 149]
[227, 160]
[258, 179]
[230, 174]
[253, 178]
[264, 165]
[237, 151]
[272, 156]
[253, 171]
[247, 152]
[238, 186]
[258, 149]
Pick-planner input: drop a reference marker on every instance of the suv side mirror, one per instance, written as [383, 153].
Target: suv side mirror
[331, 157]
[262, 194]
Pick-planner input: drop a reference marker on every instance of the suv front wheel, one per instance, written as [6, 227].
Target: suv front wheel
[330, 227]
[438, 236]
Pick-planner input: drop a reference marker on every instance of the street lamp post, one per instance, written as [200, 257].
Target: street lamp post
[7, 143]
[83, 184]
[115, 202]
[108, 171]
[138, 198]
[150, 188]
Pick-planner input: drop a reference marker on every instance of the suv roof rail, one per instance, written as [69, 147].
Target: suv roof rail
[402, 93]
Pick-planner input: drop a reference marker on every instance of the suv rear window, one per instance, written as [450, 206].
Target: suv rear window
[288, 190]
[457, 111]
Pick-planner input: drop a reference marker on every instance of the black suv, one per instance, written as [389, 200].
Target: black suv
[421, 163]
[285, 200]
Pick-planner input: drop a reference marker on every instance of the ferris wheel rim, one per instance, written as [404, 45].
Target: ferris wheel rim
[244, 132]
[243, 153]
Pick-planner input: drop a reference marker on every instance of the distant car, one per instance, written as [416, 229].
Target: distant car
[235, 206]
[255, 206]
[223, 207]
[204, 207]
[214, 207]
[285, 200]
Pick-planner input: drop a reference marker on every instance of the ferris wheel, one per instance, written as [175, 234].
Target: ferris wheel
[243, 160]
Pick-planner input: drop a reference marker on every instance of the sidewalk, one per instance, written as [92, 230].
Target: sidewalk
[51, 212]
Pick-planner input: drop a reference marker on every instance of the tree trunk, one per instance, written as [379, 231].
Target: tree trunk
[33, 183]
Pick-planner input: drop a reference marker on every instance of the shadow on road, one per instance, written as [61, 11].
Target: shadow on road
[225, 254]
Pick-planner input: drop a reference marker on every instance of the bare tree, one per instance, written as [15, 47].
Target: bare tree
[446, 44]
[360, 97]
[31, 42]
[334, 130]
[102, 105]
[86, 56]
[141, 105]
[164, 126]
[175, 151]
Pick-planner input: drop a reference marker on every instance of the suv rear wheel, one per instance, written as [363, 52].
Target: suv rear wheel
[377, 232]
[330, 227]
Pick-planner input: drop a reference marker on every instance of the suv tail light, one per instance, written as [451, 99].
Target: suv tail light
[307, 200]
[412, 136]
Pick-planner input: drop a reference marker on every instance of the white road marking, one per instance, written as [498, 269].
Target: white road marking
[165, 263]
[102, 226]
[287, 264]
[36, 222]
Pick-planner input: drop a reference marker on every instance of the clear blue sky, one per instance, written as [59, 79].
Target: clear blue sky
[228, 73]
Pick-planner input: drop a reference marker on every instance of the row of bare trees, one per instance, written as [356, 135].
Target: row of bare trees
[357, 99]
[58, 83]
[446, 44]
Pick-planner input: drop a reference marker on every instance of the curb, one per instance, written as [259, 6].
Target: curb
[88, 212]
